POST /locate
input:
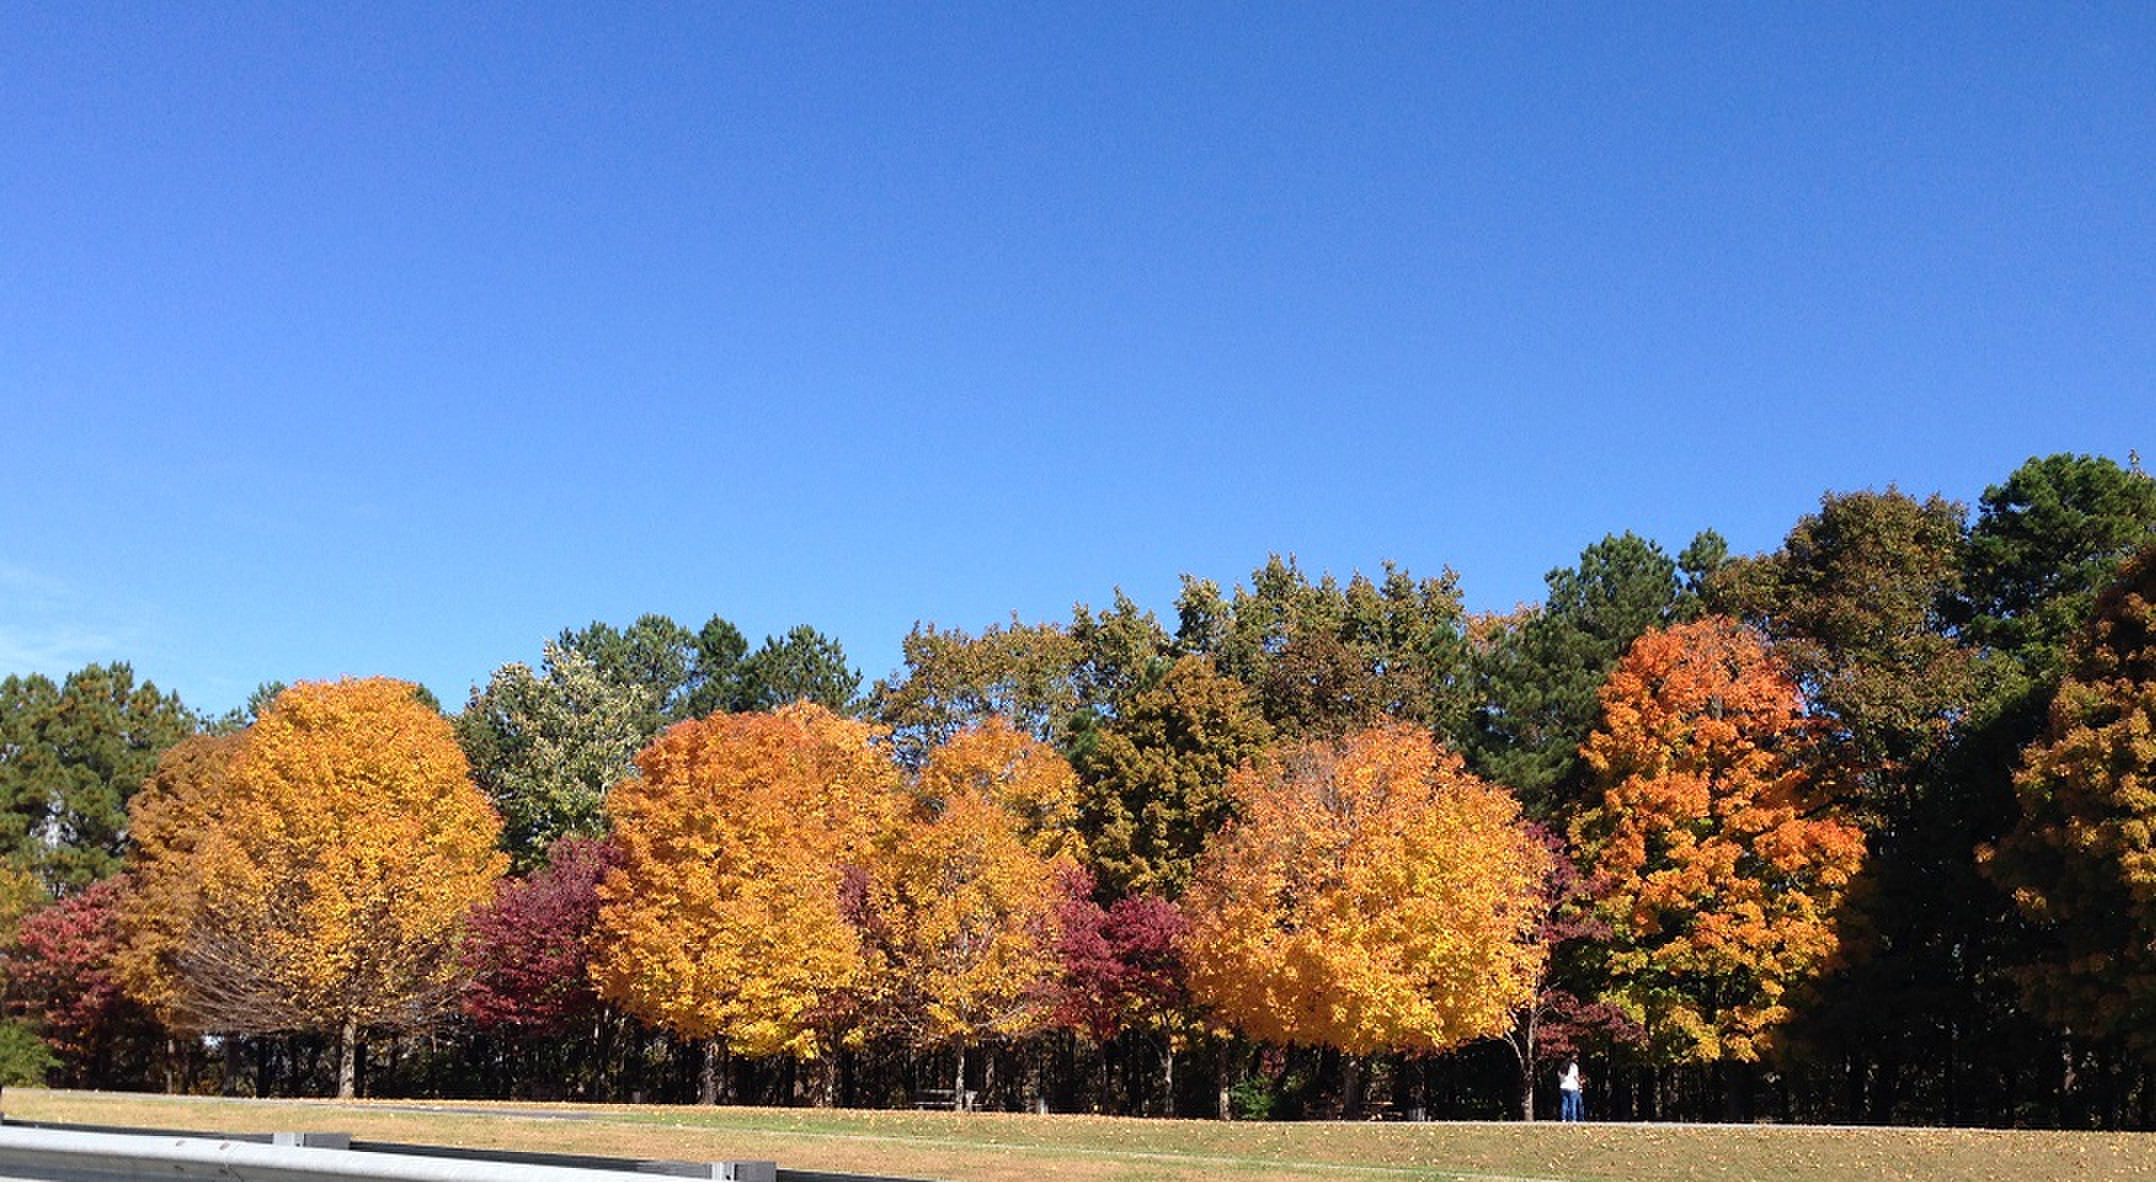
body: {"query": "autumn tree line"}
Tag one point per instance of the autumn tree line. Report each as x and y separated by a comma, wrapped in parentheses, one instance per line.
(1860, 829)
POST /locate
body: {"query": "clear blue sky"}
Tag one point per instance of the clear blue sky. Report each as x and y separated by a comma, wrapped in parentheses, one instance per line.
(374, 338)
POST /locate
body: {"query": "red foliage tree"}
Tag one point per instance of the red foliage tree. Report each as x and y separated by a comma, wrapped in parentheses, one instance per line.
(61, 978)
(529, 950)
(1122, 964)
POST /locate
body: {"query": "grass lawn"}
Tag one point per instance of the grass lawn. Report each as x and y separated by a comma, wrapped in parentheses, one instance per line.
(995, 1147)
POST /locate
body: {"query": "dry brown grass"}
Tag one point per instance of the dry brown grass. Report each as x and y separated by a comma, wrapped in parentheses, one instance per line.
(990, 1147)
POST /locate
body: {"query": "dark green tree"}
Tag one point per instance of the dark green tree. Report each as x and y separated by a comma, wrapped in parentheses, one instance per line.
(1153, 785)
(711, 670)
(715, 678)
(2045, 541)
(71, 755)
(803, 665)
(654, 654)
(1539, 672)
(1855, 602)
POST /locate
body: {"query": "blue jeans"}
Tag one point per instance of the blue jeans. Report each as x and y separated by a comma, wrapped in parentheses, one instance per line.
(1570, 1106)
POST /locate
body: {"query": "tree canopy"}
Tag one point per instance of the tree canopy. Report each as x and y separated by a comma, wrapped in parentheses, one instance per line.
(321, 881)
(1711, 849)
(1371, 895)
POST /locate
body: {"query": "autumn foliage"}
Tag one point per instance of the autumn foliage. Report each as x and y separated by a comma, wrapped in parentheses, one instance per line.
(320, 880)
(529, 951)
(743, 846)
(1873, 809)
(967, 886)
(1373, 895)
(60, 974)
(2081, 860)
(1122, 964)
(1712, 851)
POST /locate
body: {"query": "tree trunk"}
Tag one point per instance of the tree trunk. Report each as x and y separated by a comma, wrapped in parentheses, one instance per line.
(1167, 1081)
(823, 1080)
(707, 1079)
(1351, 1086)
(348, 1062)
(958, 1083)
(2069, 1081)
(1225, 1110)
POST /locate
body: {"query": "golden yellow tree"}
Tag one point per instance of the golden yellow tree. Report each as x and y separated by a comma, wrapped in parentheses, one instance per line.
(1712, 852)
(743, 853)
(320, 880)
(1373, 895)
(1025, 778)
(969, 887)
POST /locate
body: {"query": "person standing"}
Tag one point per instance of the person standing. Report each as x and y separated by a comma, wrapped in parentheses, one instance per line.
(1571, 1099)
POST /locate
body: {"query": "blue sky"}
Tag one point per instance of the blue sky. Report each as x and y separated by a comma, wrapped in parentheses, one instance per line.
(396, 338)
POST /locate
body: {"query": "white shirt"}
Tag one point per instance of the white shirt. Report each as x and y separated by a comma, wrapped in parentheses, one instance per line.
(1570, 1080)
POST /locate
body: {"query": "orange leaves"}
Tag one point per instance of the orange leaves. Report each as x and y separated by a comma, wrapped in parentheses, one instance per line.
(313, 873)
(1374, 895)
(728, 914)
(780, 885)
(1712, 854)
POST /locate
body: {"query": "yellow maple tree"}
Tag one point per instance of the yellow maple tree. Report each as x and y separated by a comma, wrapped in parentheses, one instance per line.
(1713, 851)
(1373, 895)
(967, 891)
(743, 843)
(316, 873)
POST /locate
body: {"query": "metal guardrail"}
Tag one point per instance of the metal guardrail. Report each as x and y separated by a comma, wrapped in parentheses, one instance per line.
(38, 1151)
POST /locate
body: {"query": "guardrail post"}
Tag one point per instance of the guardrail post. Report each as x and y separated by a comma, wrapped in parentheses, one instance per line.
(313, 1140)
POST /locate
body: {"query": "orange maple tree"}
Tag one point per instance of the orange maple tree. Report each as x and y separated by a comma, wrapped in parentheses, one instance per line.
(178, 810)
(743, 845)
(314, 874)
(1373, 895)
(1713, 851)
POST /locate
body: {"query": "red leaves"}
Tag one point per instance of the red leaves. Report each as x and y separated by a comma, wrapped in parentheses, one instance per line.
(1122, 965)
(529, 950)
(60, 967)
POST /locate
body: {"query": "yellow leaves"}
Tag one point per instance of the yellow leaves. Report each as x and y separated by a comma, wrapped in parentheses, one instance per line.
(314, 871)
(1019, 775)
(967, 890)
(779, 882)
(726, 916)
(1374, 895)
